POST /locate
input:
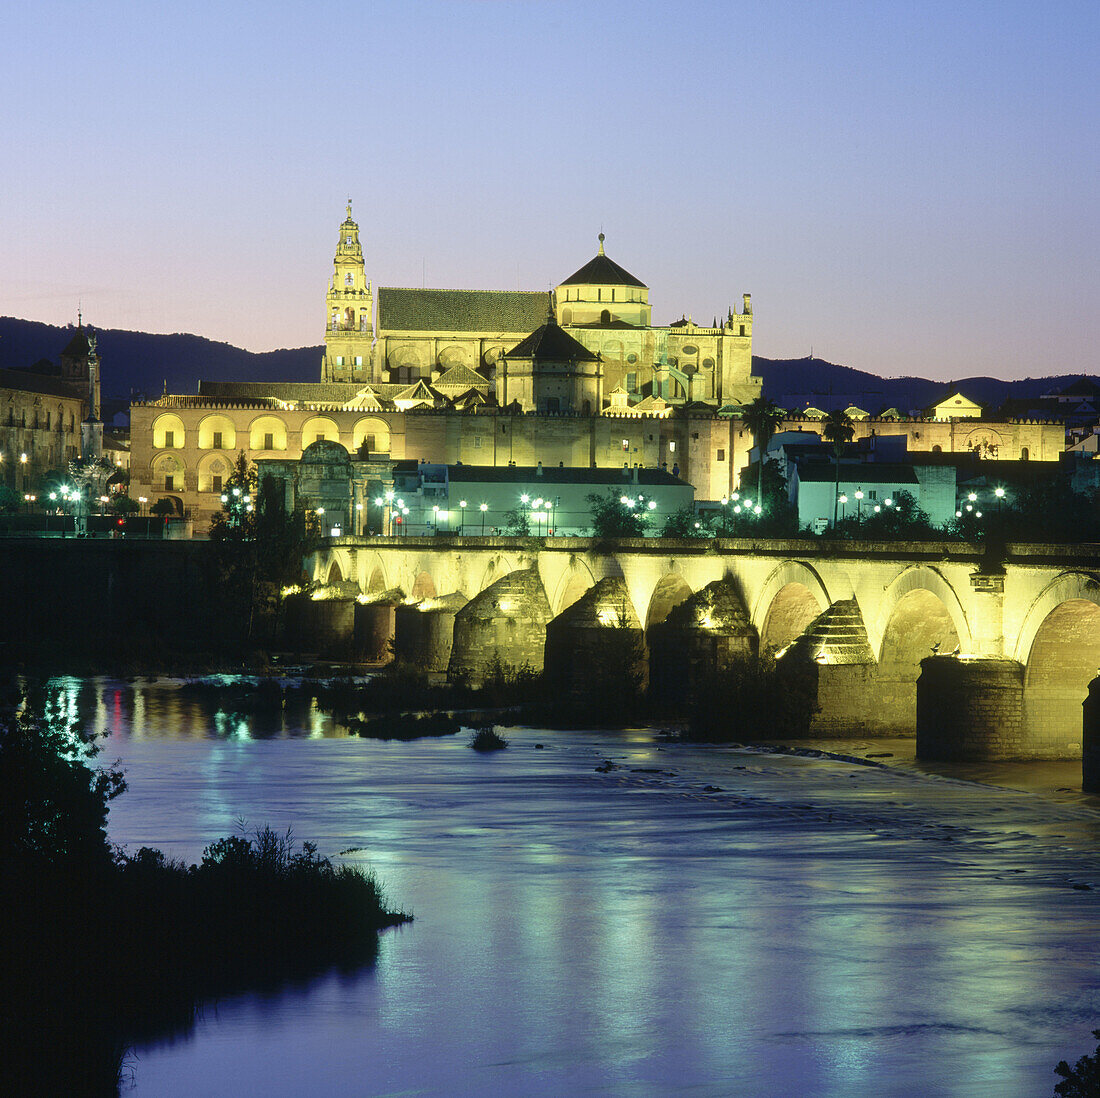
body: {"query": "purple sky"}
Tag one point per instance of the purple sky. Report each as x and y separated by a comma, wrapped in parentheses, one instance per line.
(908, 188)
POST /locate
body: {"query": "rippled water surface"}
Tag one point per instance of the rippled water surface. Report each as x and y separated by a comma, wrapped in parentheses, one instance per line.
(809, 927)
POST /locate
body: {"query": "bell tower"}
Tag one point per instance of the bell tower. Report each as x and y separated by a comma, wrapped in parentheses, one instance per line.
(349, 329)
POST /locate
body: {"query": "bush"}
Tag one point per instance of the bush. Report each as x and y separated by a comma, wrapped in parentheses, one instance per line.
(1083, 1079)
(756, 697)
(488, 739)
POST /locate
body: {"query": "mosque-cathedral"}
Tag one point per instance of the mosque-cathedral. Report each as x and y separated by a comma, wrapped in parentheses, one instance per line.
(579, 377)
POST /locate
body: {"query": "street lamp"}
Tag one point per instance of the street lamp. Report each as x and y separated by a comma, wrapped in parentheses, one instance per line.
(859, 505)
(359, 518)
(483, 507)
(843, 500)
(461, 517)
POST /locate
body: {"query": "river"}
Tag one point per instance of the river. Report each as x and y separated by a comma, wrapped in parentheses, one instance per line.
(808, 926)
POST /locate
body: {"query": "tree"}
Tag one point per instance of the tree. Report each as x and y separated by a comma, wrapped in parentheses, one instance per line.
(686, 523)
(617, 516)
(517, 522)
(838, 429)
(53, 804)
(762, 417)
(904, 518)
(124, 505)
(257, 546)
(1083, 1079)
(163, 508)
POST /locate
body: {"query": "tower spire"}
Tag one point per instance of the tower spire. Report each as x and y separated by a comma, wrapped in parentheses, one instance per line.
(601, 244)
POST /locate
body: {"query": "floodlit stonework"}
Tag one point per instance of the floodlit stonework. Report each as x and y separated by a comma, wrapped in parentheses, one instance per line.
(579, 377)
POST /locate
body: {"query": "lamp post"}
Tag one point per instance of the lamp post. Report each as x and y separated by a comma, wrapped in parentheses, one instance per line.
(359, 518)
(843, 500)
(483, 507)
(461, 517)
(859, 506)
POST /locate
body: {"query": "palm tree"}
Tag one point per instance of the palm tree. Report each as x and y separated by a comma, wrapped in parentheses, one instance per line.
(762, 417)
(838, 430)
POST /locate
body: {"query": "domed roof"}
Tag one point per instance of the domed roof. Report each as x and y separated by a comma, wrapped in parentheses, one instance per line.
(551, 343)
(601, 271)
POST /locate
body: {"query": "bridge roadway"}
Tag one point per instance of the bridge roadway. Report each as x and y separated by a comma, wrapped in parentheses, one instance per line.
(1015, 632)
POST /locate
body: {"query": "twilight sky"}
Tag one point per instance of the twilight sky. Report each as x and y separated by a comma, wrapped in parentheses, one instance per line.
(908, 188)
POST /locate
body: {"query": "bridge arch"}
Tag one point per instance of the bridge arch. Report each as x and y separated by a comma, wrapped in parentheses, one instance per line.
(497, 568)
(670, 590)
(919, 614)
(571, 585)
(790, 598)
(922, 587)
(1059, 646)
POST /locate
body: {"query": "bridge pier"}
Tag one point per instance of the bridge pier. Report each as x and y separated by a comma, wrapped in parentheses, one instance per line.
(833, 660)
(971, 709)
(325, 626)
(504, 626)
(596, 645)
(375, 623)
(1090, 739)
(424, 631)
(699, 639)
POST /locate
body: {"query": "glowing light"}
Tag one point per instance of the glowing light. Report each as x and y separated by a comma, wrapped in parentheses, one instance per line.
(525, 498)
(859, 493)
(483, 507)
(757, 509)
(972, 496)
(294, 589)
(999, 492)
(653, 505)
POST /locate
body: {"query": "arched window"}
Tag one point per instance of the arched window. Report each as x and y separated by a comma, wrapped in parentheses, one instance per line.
(605, 317)
(1024, 454)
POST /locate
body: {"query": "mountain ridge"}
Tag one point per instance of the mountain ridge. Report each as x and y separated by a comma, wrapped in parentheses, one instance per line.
(144, 364)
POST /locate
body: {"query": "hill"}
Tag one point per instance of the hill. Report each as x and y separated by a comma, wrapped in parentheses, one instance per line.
(136, 363)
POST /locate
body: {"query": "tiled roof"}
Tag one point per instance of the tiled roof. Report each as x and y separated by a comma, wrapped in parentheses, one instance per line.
(551, 474)
(870, 472)
(26, 382)
(550, 343)
(77, 347)
(460, 378)
(601, 271)
(311, 392)
(405, 310)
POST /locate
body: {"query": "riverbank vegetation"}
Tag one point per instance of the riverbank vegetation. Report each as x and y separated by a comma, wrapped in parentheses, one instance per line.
(104, 948)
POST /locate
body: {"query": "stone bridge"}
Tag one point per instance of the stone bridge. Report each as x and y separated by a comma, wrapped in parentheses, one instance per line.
(1009, 638)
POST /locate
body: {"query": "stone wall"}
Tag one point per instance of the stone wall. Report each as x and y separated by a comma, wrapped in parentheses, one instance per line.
(971, 709)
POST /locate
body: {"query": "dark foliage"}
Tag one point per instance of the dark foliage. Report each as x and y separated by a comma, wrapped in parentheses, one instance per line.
(754, 698)
(611, 518)
(1083, 1079)
(488, 739)
(102, 949)
(256, 548)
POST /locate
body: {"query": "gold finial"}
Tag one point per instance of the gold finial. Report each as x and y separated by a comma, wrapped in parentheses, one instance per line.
(601, 243)
(349, 207)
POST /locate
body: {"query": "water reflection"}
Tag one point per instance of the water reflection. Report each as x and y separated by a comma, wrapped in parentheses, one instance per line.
(814, 928)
